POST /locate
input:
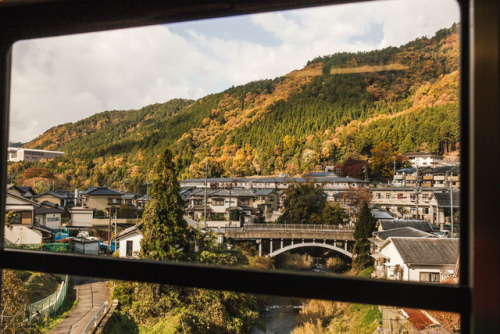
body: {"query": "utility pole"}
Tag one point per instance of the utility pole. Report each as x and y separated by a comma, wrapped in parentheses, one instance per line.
(206, 174)
(116, 223)
(417, 191)
(109, 230)
(451, 204)
(230, 202)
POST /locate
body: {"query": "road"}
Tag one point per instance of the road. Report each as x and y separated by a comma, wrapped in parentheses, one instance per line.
(91, 294)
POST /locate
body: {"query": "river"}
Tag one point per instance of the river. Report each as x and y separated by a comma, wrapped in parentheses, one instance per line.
(279, 315)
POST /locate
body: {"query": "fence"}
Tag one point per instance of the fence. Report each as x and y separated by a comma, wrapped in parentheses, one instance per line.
(55, 247)
(93, 321)
(49, 305)
(345, 227)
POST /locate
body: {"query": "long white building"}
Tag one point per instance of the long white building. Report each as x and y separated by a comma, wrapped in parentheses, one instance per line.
(28, 154)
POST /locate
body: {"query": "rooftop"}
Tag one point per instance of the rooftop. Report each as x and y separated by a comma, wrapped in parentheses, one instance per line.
(422, 225)
(402, 232)
(101, 191)
(432, 251)
(444, 199)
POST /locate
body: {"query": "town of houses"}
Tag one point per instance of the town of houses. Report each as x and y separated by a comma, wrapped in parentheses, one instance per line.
(422, 200)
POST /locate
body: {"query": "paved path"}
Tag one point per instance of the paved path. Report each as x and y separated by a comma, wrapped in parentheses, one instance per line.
(91, 294)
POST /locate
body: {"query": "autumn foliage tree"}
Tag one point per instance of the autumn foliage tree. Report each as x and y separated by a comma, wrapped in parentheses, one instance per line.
(353, 167)
(14, 299)
(382, 161)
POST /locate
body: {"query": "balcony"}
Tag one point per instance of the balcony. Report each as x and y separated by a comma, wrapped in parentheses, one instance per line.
(428, 177)
(411, 178)
(114, 201)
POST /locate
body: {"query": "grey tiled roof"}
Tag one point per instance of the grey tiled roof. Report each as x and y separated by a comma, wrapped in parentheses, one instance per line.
(422, 225)
(443, 199)
(427, 250)
(129, 230)
(130, 196)
(218, 179)
(263, 192)
(102, 191)
(223, 192)
(402, 232)
(44, 210)
(381, 214)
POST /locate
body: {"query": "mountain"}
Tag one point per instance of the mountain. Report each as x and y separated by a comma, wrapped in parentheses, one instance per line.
(336, 106)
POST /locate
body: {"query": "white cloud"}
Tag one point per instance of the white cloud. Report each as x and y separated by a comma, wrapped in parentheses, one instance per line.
(64, 79)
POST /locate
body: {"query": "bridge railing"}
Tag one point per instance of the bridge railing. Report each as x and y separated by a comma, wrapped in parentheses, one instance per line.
(282, 227)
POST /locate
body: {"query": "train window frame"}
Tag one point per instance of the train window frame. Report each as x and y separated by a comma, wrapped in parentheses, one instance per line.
(476, 297)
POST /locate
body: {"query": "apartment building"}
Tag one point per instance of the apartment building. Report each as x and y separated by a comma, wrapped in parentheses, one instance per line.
(437, 177)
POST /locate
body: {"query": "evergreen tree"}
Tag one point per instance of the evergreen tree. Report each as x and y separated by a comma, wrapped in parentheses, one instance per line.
(304, 204)
(334, 214)
(363, 229)
(165, 231)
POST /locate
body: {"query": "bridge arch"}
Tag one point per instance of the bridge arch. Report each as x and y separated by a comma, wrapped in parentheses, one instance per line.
(310, 244)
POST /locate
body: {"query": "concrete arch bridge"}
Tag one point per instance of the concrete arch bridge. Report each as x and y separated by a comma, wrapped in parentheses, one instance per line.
(275, 239)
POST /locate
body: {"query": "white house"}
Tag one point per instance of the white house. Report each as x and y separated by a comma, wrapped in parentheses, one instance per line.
(423, 159)
(129, 241)
(48, 216)
(419, 259)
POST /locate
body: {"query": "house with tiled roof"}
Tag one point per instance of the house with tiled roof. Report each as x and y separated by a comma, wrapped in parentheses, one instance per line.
(22, 229)
(23, 191)
(379, 238)
(60, 198)
(101, 198)
(429, 260)
(49, 216)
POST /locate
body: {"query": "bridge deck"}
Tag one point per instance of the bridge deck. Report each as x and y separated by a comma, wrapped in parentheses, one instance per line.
(288, 232)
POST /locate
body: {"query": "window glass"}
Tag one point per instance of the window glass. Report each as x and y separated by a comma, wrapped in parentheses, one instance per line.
(36, 302)
(323, 114)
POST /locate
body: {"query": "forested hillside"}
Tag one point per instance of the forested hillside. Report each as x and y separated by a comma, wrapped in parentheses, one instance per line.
(337, 106)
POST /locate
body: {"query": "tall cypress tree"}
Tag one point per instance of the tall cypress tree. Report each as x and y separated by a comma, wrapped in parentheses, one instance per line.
(363, 229)
(165, 233)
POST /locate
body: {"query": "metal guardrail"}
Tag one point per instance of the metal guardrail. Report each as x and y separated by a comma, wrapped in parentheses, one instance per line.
(285, 227)
(93, 321)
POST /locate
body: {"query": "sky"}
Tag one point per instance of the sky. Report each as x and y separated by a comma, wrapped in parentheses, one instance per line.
(65, 79)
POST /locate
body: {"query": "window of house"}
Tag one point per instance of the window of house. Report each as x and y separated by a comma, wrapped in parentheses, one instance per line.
(429, 277)
(387, 195)
(218, 202)
(198, 202)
